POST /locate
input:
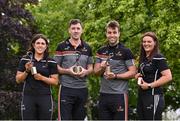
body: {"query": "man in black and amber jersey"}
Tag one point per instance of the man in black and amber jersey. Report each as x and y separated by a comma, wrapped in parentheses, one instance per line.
(115, 64)
(70, 54)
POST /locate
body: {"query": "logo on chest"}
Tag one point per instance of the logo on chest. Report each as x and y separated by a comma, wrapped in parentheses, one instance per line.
(119, 54)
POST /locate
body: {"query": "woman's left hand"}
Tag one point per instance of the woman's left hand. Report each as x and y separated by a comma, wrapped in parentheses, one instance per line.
(144, 85)
(38, 76)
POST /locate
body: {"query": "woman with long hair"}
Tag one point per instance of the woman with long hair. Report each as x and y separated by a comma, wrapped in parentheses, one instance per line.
(153, 74)
(38, 72)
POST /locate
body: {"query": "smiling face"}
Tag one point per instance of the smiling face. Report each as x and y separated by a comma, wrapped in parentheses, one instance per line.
(40, 46)
(75, 31)
(112, 35)
(148, 44)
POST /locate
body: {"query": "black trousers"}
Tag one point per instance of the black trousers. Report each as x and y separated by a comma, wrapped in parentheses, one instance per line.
(145, 107)
(72, 103)
(36, 107)
(113, 106)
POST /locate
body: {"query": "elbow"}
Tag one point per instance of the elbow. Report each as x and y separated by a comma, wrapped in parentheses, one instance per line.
(96, 73)
(18, 80)
(56, 82)
(133, 74)
(170, 78)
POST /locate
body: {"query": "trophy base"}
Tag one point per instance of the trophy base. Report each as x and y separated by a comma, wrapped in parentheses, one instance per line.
(139, 80)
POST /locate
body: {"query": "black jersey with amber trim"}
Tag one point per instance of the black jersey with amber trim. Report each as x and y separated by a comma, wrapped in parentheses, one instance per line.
(151, 71)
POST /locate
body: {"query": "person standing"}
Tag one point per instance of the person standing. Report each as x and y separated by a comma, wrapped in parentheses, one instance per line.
(38, 72)
(115, 64)
(153, 74)
(75, 63)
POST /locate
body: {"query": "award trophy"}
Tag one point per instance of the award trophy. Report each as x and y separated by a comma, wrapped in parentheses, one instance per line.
(139, 80)
(33, 69)
(76, 68)
(108, 67)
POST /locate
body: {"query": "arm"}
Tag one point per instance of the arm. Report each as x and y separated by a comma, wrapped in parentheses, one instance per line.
(69, 71)
(21, 76)
(52, 80)
(165, 78)
(64, 70)
(129, 74)
(86, 72)
(99, 68)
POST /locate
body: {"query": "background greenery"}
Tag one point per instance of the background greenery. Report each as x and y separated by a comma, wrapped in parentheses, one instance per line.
(51, 18)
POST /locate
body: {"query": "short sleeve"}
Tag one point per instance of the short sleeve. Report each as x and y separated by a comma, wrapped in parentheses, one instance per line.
(58, 57)
(90, 60)
(98, 58)
(53, 67)
(21, 66)
(128, 54)
(160, 62)
(129, 62)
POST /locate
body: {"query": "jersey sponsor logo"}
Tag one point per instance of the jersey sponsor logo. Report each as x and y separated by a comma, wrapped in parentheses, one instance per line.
(84, 49)
(120, 109)
(119, 53)
(23, 107)
(67, 48)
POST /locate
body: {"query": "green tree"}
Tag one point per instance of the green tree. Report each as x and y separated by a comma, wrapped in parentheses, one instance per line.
(16, 29)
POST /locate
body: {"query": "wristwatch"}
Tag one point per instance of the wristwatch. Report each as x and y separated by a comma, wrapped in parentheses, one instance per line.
(149, 86)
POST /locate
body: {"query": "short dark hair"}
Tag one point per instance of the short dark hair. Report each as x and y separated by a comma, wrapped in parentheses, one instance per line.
(113, 24)
(75, 21)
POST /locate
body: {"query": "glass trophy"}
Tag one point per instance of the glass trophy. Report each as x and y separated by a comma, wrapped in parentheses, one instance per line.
(33, 69)
(76, 68)
(139, 80)
(108, 67)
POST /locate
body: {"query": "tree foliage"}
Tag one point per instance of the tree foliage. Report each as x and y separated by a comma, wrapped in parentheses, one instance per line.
(16, 29)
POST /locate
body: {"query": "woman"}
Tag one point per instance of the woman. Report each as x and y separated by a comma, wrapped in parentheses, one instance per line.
(37, 101)
(153, 74)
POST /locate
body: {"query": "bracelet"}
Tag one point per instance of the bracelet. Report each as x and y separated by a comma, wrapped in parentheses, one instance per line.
(149, 86)
(116, 76)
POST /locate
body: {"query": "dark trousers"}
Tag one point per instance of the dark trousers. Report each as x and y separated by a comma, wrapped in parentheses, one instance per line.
(36, 107)
(72, 103)
(145, 107)
(113, 107)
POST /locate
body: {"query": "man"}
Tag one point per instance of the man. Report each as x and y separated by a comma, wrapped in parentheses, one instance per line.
(115, 64)
(74, 57)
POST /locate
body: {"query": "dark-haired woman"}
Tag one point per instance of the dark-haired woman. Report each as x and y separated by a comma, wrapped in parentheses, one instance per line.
(38, 72)
(154, 73)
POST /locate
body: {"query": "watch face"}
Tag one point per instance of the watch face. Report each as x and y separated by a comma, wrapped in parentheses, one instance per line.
(149, 86)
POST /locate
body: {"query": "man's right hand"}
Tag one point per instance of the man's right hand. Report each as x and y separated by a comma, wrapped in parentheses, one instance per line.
(103, 64)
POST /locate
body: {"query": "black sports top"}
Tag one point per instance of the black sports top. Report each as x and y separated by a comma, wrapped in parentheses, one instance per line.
(45, 68)
(151, 71)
